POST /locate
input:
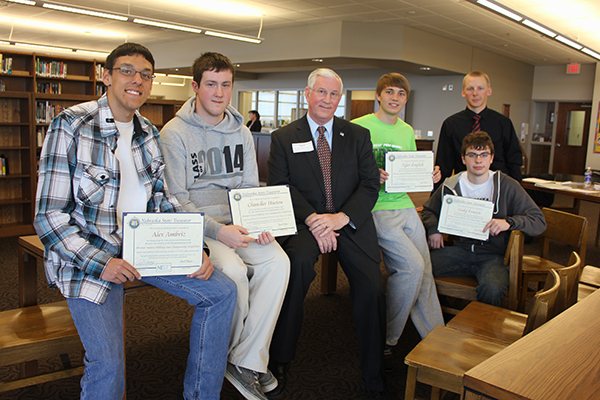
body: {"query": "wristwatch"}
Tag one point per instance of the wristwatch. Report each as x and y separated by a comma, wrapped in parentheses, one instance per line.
(511, 222)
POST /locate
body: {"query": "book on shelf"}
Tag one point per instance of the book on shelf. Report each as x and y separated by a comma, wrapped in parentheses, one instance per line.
(53, 88)
(99, 71)
(52, 69)
(46, 111)
(3, 165)
(5, 64)
(41, 135)
(2, 86)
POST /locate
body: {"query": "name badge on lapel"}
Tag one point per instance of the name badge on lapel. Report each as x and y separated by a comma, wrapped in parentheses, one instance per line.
(303, 147)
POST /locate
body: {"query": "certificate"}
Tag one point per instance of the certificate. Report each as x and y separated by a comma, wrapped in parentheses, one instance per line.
(163, 243)
(465, 217)
(263, 209)
(410, 171)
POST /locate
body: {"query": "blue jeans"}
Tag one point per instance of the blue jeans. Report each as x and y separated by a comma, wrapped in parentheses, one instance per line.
(489, 269)
(100, 328)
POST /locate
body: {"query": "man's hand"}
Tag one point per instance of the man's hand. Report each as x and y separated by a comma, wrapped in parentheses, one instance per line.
(327, 243)
(322, 225)
(436, 241)
(437, 174)
(234, 236)
(496, 226)
(383, 176)
(265, 238)
(119, 271)
(205, 271)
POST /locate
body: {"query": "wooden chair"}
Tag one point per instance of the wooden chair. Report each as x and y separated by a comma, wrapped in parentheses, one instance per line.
(43, 331)
(509, 326)
(562, 227)
(463, 287)
(35, 332)
(445, 354)
(589, 281)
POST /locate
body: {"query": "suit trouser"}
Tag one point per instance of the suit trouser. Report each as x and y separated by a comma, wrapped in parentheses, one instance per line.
(367, 298)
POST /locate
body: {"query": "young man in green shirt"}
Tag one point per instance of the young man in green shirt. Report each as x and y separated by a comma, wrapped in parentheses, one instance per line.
(410, 286)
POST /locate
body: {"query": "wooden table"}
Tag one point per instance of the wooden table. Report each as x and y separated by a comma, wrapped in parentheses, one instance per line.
(559, 360)
(575, 195)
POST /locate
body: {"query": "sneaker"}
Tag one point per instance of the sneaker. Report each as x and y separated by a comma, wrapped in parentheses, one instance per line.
(388, 358)
(245, 381)
(267, 381)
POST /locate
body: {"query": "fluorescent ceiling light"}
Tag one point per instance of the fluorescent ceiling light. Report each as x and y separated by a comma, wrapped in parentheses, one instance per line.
(539, 28)
(98, 53)
(569, 42)
(227, 7)
(41, 46)
(159, 74)
(591, 53)
(498, 9)
(26, 2)
(3, 42)
(85, 12)
(234, 37)
(180, 76)
(167, 26)
(45, 25)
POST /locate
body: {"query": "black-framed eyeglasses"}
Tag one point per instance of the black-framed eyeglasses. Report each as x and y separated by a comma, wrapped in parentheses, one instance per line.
(130, 72)
(473, 156)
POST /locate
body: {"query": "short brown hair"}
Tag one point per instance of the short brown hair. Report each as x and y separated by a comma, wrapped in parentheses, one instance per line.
(477, 74)
(210, 61)
(128, 49)
(393, 79)
(478, 141)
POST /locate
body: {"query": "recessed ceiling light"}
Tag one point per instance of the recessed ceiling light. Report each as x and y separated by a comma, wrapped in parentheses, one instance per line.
(425, 68)
(317, 60)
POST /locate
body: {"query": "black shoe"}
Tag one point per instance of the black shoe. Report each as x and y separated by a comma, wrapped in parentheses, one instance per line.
(388, 358)
(373, 395)
(279, 370)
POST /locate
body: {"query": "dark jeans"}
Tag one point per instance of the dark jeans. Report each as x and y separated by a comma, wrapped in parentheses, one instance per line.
(489, 269)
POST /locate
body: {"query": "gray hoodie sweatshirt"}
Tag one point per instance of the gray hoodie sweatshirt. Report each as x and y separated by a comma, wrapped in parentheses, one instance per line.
(203, 161)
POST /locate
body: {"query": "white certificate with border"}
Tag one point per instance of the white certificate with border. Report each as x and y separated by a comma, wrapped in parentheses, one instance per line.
(465, 217)
(410, 171)
(163, 243)
(263, 209)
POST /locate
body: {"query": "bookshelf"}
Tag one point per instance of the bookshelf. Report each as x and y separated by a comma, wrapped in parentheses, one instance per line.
(33, 89)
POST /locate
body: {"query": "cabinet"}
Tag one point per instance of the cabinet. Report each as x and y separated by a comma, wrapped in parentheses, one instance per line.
(33, 89)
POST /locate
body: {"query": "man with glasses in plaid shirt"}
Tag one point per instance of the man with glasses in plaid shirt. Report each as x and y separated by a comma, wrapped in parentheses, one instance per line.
(91, 152)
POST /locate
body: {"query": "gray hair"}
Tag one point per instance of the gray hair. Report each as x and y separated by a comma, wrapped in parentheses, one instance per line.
(325, 73)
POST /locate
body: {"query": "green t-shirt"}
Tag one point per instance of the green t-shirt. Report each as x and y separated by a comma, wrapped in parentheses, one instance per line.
(398, 137)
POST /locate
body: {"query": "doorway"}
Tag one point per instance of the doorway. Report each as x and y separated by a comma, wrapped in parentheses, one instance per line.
(572, 131)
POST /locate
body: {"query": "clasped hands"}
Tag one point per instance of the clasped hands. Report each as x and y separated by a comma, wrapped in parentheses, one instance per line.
(323, 227)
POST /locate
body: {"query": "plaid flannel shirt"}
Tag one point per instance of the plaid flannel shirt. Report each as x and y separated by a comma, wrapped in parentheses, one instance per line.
(78, 189)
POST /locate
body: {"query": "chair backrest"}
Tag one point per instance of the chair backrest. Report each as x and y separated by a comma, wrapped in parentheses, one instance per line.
(514, 259)
(544, 303)
(566, 228)
(569, 280)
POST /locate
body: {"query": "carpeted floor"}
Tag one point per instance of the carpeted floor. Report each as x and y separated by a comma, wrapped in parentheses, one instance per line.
(157, 329)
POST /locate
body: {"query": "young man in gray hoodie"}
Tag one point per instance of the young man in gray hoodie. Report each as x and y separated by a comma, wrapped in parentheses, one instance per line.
(208, 150)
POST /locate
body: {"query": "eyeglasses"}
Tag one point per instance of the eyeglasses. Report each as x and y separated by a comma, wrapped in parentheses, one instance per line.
(130, 72)
(322, 93)
(473, 156)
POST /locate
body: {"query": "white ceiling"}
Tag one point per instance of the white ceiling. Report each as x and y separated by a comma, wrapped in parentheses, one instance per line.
(459, 20)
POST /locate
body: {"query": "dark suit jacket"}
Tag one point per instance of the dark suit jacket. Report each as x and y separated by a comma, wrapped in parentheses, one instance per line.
(354, 177)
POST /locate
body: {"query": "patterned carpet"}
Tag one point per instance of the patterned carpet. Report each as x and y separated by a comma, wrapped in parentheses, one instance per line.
(157, 329)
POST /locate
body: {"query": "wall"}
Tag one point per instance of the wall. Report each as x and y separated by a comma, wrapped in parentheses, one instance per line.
(551, 83)
(593, 159)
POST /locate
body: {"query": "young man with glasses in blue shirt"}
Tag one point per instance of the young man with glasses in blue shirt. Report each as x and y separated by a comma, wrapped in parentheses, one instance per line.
(513, 209)
(99, 160)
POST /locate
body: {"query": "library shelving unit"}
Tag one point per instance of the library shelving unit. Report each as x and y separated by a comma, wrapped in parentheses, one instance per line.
(36, 88)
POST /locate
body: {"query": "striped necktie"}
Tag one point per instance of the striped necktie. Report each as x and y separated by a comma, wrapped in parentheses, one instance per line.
(476, 125)
(325, 160)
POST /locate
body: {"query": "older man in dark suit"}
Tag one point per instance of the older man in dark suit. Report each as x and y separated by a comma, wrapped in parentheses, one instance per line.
(334, 182)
